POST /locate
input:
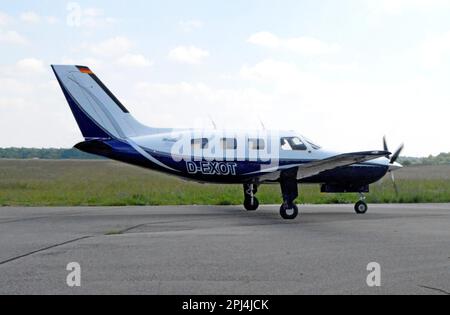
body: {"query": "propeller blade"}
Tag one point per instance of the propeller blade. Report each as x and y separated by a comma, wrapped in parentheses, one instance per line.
(394, 183)
(385, 146)
(397, 154)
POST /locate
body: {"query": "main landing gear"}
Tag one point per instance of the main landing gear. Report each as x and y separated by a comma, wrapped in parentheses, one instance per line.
(361, 206)
(289, 190)
(251, 203)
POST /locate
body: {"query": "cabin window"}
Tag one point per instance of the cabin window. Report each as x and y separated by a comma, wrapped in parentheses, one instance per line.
(256, 144)
(229, 143)
(292, 144)
(199, 144)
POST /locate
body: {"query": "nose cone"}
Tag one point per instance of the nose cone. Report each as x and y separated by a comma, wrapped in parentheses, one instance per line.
(395, 166)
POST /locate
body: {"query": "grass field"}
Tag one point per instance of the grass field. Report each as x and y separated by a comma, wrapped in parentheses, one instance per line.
(107, 183)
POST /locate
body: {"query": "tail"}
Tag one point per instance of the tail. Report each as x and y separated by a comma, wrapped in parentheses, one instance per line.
(99, 114)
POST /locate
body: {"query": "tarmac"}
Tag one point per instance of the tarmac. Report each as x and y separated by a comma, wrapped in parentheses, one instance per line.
(200, 250)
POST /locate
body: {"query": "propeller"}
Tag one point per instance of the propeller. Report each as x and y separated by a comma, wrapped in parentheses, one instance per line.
(397, 153)
(392, 160)
(394, 157)
(394, 183)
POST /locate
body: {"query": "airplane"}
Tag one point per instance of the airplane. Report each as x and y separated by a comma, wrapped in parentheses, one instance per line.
(247, 158)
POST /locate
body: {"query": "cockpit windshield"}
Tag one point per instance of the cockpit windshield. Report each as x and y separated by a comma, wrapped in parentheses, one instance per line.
(312, 144)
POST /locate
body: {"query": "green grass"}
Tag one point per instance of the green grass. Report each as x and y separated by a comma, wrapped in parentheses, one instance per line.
(107, 183)
(114, 232)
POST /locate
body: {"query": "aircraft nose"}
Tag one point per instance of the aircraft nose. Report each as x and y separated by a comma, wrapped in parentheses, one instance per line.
(395, 166)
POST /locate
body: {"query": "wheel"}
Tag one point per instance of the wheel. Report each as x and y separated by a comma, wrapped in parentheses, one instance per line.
(251, 206)
(289, 213)
(361, 207)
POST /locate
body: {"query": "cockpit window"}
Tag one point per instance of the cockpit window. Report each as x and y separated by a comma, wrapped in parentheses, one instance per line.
(292, 144)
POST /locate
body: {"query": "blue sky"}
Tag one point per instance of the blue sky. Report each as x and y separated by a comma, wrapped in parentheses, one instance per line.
(344, 73)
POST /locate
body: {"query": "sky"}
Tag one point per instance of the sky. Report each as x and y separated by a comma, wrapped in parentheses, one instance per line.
(343, 73)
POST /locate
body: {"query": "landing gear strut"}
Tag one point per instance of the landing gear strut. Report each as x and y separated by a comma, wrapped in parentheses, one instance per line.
(289, 190)
(361, 206)
(251, 203)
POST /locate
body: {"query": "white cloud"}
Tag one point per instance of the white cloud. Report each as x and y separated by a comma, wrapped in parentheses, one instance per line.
(113, 47)
(96, 18)
(51, 20)
(190, 25)
(435, 51)
(265, 39)
(117, 50)
(12, 37)
(270, 70)
(93, 12)
(92, 63)
(5, 19)
(301, 45)
(31, 65)
(134, 60)
(188, 54)
(30, 17)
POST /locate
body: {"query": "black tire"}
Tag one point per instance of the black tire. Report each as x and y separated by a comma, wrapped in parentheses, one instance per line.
(361, 207)
(251, 206)
(289, 213)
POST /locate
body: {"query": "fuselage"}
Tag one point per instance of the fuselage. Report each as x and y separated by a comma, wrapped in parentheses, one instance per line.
(234, 157)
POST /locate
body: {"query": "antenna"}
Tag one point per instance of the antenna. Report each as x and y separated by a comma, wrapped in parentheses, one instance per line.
(213, 122)
(262, 124)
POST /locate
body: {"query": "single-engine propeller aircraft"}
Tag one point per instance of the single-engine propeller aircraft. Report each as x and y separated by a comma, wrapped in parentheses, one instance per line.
(249, 158)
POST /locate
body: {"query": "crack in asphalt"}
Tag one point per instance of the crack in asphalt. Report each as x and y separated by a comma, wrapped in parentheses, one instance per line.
(43, 249)
(435, 289)
(23, 219)
(130, 229)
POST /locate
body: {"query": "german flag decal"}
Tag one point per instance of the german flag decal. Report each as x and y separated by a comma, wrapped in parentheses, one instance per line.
(85, 70)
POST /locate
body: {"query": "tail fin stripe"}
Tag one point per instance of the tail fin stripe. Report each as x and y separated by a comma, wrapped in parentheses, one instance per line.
(103, 87)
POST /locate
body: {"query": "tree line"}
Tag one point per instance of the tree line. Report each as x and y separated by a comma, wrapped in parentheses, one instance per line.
(45, 154)
(441, 159)
(75, 154)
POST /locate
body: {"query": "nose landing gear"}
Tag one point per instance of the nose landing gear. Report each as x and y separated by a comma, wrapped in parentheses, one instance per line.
(361, 206)
(251, 203)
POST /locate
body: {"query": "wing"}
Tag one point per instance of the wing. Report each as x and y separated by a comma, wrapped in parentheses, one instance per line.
(346, 159)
